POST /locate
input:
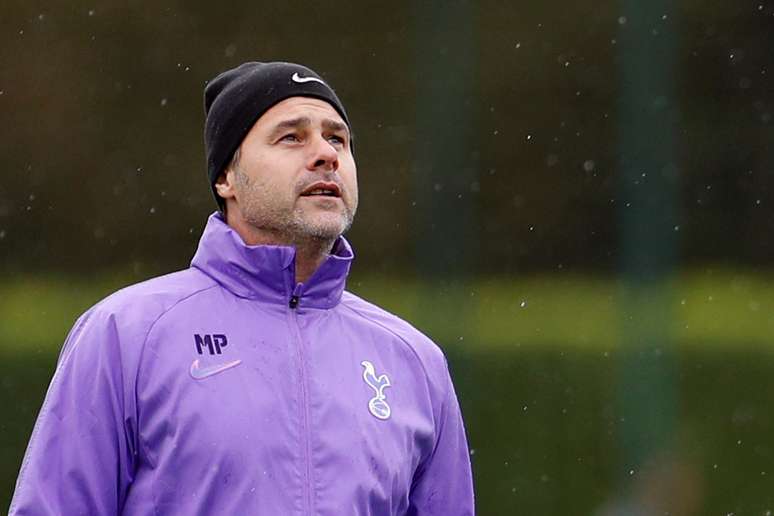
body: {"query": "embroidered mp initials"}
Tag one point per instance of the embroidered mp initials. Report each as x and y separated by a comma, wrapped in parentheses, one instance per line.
(213, 343)
(378, 404)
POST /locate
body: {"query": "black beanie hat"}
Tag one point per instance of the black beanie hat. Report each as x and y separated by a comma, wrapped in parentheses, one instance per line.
(236, 98)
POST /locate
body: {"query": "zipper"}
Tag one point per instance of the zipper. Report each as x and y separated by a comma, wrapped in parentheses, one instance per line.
(295, 295)
(296, 331)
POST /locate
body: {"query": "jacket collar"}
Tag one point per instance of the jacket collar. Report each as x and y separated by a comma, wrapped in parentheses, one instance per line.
(267, 272)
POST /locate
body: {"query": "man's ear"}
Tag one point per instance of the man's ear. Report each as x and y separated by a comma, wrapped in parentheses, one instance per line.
(224, 185)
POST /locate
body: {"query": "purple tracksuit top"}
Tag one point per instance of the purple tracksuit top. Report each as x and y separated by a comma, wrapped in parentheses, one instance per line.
(225, 389)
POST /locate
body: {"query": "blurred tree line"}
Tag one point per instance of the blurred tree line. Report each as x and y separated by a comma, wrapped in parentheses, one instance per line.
(103, 158)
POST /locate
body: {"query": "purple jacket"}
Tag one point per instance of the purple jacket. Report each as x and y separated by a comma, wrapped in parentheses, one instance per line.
(225, 389)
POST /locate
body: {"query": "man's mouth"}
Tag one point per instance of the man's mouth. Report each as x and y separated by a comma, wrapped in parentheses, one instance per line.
(322, 189)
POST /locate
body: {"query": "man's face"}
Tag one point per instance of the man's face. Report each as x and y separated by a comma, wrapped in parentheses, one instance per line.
(296, 177)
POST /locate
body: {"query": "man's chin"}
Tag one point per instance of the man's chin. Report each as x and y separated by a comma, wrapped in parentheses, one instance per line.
(323, 229)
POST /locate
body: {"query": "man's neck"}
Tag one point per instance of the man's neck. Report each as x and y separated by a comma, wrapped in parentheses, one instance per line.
(310, 252)
(309, 256)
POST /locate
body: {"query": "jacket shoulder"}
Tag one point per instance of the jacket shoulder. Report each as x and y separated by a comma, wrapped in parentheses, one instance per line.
(158, 294)
(131, 312)
(427, 351)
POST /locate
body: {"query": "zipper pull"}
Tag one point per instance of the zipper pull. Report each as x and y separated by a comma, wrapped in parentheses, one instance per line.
(295, 296)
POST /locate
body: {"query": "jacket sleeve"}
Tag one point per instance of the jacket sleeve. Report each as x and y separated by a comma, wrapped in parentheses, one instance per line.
(79, 460)
(443, 484)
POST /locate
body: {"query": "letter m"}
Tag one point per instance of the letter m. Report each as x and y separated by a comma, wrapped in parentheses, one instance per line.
(201, 342)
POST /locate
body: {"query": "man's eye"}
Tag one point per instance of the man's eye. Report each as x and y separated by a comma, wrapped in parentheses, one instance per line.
(290, 138)
(335, 139)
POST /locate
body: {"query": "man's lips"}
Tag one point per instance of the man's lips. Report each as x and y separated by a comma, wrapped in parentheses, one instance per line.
(322, 189)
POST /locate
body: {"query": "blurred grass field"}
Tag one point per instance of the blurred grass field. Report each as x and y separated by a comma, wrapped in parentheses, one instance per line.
(536, 362)
(580, 312)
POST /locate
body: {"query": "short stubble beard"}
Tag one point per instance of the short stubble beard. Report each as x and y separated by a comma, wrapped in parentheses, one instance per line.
(287, 226)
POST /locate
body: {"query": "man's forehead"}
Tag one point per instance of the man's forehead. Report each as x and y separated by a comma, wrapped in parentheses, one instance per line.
(300, 107)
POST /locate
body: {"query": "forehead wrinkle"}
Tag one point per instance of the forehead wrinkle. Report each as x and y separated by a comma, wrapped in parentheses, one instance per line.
(293, 123)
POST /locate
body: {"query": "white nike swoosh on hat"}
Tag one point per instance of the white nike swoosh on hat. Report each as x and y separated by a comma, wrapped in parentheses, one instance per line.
(299, 79)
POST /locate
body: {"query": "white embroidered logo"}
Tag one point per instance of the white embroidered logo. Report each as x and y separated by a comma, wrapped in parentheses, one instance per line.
(377, 405)
(297, 78)
(199, 373)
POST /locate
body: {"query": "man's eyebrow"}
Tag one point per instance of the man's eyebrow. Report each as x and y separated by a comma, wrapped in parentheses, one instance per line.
(334, 125)
(293, 123)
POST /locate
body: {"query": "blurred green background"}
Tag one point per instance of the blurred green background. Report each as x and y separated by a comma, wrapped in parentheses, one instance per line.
(573, 199)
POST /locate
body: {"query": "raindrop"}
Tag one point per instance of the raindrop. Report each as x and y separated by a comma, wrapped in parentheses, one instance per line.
(91, 12)
(529, 137)
(518, 45)
(589, 165)
(622, 20)
(163, 102)
(677, 228)
(523, 304)
(664, 16)
(2, 234)
(152, 210)
(631, 472)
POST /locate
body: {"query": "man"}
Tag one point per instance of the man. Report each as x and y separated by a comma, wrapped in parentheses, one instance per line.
(252, 383)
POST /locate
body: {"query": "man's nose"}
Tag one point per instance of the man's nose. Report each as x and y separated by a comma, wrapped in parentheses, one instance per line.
(324, 155)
